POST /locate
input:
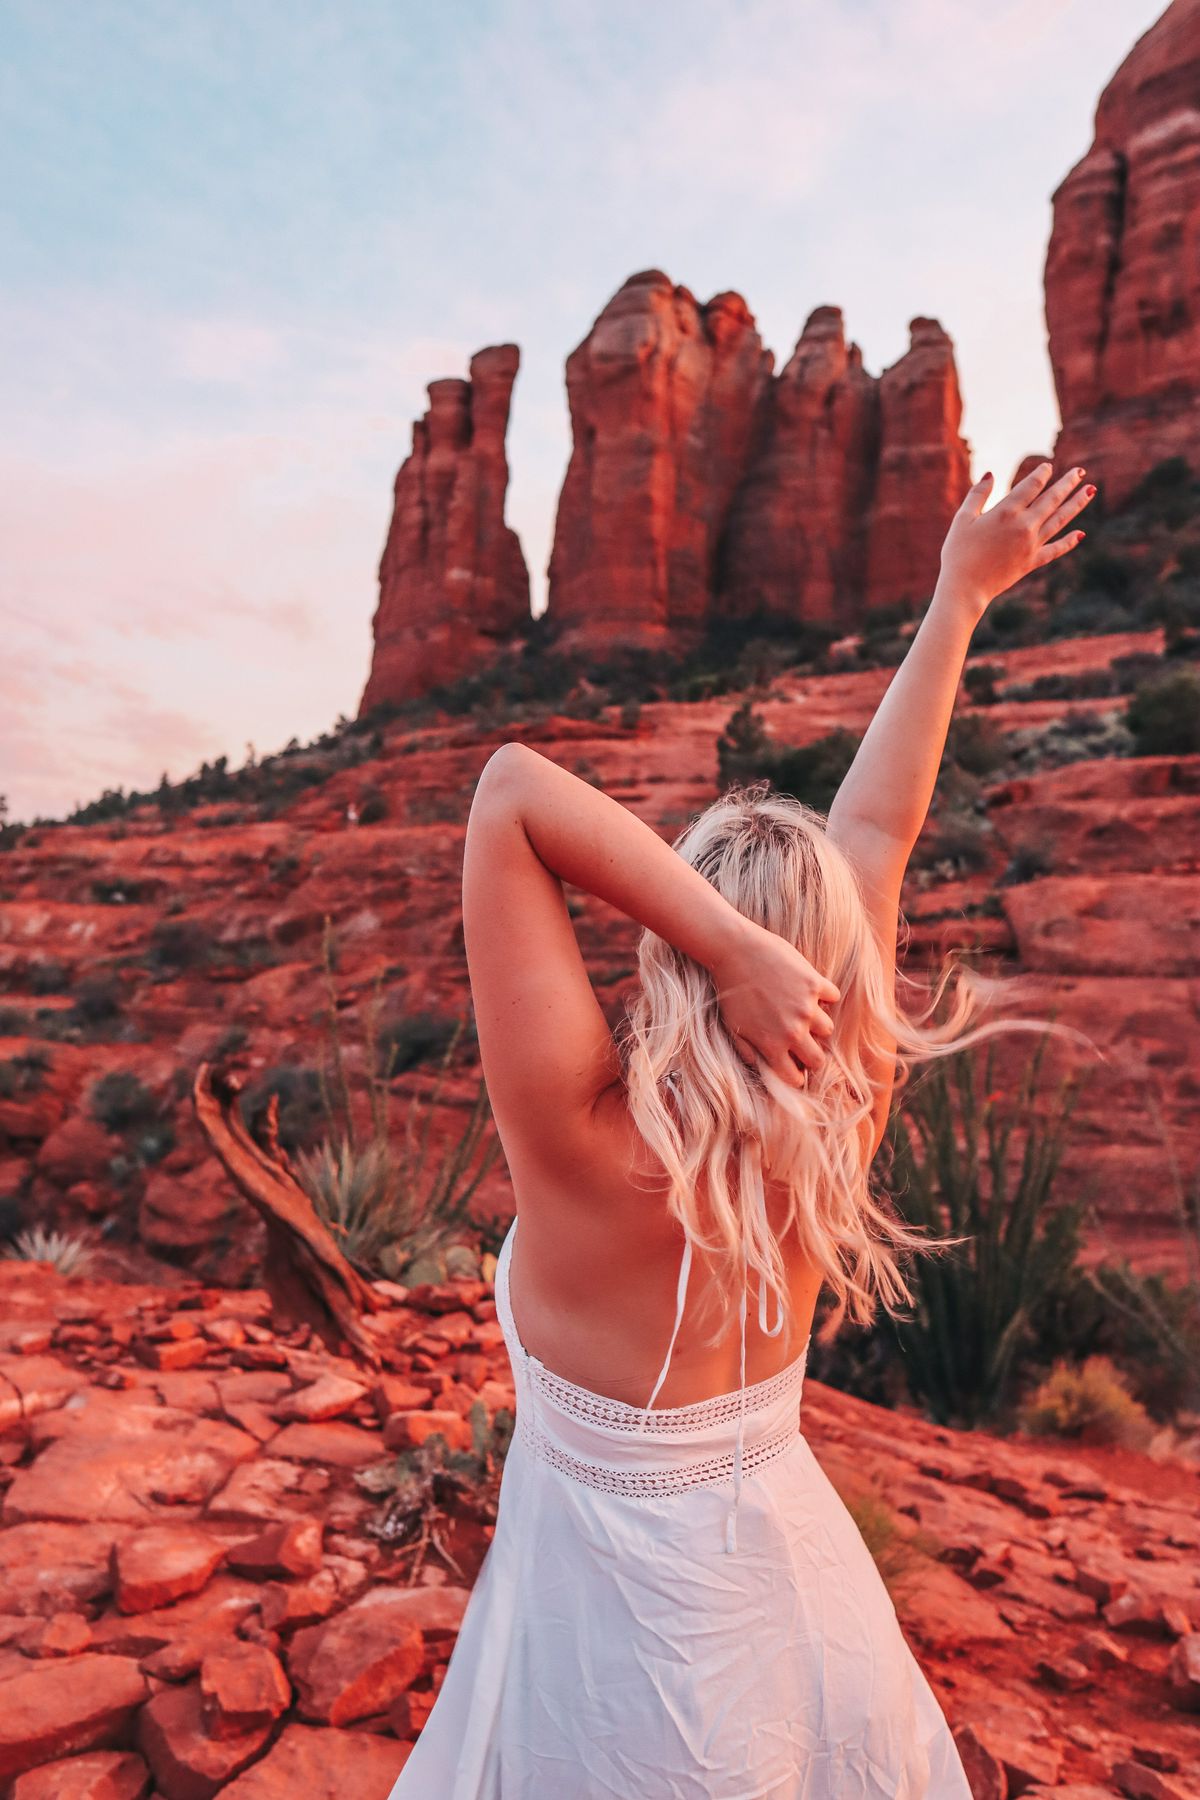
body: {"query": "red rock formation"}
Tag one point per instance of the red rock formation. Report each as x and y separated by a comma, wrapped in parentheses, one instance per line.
(663, 394)
(452, 579)
(924, 468)
(795, 544)
(853, 482)
(1122, 271)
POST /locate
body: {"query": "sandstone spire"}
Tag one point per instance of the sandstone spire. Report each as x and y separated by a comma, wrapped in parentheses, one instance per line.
(452, 579)
(663, 395)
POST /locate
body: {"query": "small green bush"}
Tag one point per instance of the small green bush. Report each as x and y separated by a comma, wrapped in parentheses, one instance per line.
(1164, 716)
(24, 1073)
(1028, 861)
(973, 743)
(372, 805)
(122, 1102)
(809, 772)
(900, 1554)
(980, 682)
(1090, 1402)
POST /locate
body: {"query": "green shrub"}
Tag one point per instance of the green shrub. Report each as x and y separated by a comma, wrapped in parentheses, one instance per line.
(971, 1162)
(973, 743)
(956, 843)
(177, 945)
(24, 1073)
(1028, 861)
(121, 1101)
(980, 682)
(900, 1554)
(809, 772)
(372, 805)
(297, 1090)
(1090, 1402)
(48, 977)
(1164, 716)
(96, 1003)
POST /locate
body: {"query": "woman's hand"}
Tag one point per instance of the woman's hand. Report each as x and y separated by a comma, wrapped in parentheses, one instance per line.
(986, 552)
(772, 1001)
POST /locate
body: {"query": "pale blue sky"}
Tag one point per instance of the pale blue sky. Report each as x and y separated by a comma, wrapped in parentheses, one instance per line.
(238, 240)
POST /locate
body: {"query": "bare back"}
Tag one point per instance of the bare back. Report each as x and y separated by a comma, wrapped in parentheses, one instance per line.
(595, 1271)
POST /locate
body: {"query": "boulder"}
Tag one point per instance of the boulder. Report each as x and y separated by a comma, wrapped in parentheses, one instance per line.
(81, 1703)
(358, 1662)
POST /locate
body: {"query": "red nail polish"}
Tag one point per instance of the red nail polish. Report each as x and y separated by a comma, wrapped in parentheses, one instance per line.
(1090, 492)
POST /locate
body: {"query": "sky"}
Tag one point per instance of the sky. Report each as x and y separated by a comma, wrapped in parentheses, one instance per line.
(237, 240)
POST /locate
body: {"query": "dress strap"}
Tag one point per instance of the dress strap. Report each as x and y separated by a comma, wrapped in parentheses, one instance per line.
(685, 1265)
(739, 1447)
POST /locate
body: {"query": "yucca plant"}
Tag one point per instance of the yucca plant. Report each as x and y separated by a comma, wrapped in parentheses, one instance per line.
(69, 1255)
(977, 1164)
(394, 1207)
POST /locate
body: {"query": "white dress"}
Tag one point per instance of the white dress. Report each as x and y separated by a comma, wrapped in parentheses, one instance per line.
(675, 1605)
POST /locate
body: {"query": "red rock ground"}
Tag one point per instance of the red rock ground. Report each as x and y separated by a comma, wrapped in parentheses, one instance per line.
(192, 1600)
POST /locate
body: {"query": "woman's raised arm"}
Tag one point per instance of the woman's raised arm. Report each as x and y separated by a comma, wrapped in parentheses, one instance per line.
(890, 783)
(881, 806)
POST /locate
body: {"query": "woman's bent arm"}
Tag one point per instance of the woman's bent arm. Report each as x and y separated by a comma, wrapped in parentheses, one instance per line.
(769, 993)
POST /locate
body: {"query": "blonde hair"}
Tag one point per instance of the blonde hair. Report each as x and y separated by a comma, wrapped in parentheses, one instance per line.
(720, 1126)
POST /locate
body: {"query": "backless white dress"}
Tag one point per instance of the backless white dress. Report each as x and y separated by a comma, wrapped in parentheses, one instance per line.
(675, 1605)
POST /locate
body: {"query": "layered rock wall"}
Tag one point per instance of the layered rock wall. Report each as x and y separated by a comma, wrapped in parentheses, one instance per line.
(1123, 267)
(452, 579)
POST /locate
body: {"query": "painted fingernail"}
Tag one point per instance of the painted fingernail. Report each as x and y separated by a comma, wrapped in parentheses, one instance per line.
(1089, 490)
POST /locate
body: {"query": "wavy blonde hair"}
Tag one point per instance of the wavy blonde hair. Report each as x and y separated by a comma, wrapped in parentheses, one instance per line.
(722, 1128)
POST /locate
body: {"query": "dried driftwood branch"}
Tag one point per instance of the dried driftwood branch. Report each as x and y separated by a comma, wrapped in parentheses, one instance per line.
(306, 1275)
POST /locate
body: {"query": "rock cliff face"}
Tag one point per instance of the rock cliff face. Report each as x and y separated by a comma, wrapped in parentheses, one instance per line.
(924, 468)
(795, 544)
(851, 483)
(1123, 269)
(452, 580)
(663, 395)
(699, 487)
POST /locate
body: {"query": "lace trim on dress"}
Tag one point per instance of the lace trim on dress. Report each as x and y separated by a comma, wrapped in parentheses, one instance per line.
(711, 1471)
(669, 1421)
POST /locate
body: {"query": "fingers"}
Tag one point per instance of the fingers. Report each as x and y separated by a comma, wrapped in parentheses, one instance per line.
(976, 496)
(1065, 514)
(1058, 547)
(1031, 486)
(1057, 501)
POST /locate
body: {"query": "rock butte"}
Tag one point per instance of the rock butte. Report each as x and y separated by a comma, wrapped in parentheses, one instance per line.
(699, 487)
(1122, 275)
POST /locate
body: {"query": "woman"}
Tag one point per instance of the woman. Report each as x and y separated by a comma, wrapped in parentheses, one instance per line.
(675, 1604)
